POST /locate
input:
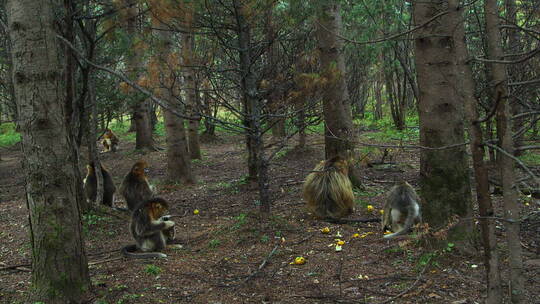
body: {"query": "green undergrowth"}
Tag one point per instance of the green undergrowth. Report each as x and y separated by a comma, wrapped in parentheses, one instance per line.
(245, 228)
(8, 135)
(530, 158)
(384, 129)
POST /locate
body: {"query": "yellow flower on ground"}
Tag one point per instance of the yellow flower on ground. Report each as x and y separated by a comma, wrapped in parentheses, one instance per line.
(298, 261)
(325, 230)
(196, 211)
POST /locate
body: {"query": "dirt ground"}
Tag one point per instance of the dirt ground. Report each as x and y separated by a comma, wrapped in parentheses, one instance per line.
(229, 256)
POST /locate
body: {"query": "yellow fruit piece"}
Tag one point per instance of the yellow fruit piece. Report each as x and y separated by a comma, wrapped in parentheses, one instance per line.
(370, 208)
(381, 211)
(298, 261)
(387, 232)
(356, 235)
(196, 211)
(325, 230)
(340, 243)
(366, 234)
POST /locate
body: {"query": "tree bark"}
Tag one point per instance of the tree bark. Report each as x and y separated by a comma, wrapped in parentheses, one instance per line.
(514, 47)
(505, 163)
(444, 173)
(188, 42)
(253, 115)
(59, 264)
(178, 162)
(485, 206)
(141, 115)
(339, 131)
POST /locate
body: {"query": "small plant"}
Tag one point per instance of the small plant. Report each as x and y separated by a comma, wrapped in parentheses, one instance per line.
(152, 269)
(427, 258)
(449, 247)
(281, 153)
(241, 220)
(8, 135)
(362, 203)
(128, 297)
(265, 239)
(92, 219)
(214, 243)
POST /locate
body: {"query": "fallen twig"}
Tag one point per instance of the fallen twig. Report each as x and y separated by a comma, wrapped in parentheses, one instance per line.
(261, 266)
(20, 267)
(410, 287)
(104, 261)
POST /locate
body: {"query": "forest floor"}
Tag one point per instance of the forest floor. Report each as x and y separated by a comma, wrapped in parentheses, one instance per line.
(230, 256)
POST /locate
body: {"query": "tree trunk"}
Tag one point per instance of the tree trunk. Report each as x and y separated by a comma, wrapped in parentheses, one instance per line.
(505, 163)
(141, 115)
(444, 173)
(59, 264)
(209, 109)
(93, 153)
(339, 131)
(301, 123)
(485, 206)
(514, 47)
(277, 121)
(188, 42)
(254, 111)
(378, 112)
(178, 162)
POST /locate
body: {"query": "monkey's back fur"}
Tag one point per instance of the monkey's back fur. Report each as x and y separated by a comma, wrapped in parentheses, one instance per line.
(328, 190)
(135, 190)
(150, 230)
(90, 186)
(135, 187)
(401, 209)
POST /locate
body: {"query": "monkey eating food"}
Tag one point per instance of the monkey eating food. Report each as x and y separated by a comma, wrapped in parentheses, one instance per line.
(151, 230)
(328, 190)
(110, 141)
(135, 187)
(90, 185)
(401, 210)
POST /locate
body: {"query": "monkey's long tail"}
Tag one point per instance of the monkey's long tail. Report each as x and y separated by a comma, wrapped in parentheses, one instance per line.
(129, 252)
(412, 214)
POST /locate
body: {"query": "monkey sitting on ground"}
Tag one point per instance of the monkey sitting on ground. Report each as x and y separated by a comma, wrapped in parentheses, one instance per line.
(90, 185)
(151, 230)
(401, 210)
(135, 187)
(110, 141)
(328, 190)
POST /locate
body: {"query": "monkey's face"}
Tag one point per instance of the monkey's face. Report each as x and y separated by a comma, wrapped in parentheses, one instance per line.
(156, 210)
(89, 169)
(342, 167)
(140, 168)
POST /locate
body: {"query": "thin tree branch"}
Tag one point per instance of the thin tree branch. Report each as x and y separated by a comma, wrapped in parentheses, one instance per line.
(156, 100)
(391, 37)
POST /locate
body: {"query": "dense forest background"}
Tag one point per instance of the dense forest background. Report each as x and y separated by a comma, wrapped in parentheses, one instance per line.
(232, 103)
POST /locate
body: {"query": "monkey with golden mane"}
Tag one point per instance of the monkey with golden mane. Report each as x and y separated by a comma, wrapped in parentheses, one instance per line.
(151, 229)
(135, 187)
(90, 185)
(401, 210)
(328, 190)
(110, 141)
